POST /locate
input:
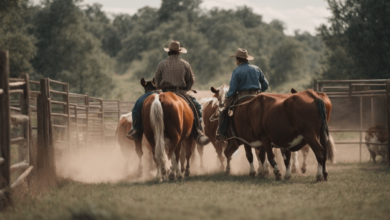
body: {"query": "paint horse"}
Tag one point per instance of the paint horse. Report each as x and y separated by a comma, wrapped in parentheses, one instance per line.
(124, 126)
(167, 120)
(286, 121)
(376, 136)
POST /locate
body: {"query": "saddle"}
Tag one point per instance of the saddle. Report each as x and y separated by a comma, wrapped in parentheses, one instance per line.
(241, 98)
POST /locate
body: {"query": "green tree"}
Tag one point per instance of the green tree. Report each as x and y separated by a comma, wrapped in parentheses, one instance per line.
(66, 51)
(287, 62)
(15, 35)
(357, 39)
(101, 27)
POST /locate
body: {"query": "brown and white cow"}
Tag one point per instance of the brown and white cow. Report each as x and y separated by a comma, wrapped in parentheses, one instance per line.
(124, 126)
(289, 121)
(376, 136)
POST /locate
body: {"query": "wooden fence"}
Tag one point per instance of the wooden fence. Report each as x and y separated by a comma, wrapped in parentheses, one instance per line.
(58, 120)
(371, 100)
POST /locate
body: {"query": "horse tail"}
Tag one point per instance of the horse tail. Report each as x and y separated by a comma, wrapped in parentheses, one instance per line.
(325, 139)
(157, 120)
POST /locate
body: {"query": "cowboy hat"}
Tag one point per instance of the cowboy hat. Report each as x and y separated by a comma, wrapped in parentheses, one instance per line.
(242, 53)
(175, 46)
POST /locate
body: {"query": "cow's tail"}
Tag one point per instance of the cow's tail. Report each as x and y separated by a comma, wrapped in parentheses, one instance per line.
(157, 121)
(325, 139)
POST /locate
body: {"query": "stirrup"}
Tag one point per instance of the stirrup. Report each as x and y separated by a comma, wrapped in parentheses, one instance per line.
(202, 139)
(220, 137)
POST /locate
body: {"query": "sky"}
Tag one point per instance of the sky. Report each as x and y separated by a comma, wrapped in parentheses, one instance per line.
(304, 15)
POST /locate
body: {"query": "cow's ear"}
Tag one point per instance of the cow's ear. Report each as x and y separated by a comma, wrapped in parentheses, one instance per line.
(213, 90)
(293, 90)
(143, 82)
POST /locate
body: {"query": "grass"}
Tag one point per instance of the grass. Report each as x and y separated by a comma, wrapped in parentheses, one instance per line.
(354, 191)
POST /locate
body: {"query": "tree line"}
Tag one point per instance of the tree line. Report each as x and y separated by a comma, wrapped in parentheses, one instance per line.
(79, 43)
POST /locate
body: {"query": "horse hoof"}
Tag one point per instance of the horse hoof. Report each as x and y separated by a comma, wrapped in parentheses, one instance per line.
(326, 176)
(287, 177)
(278, 176)
(303, 170)
(294, 170)
(139, 173)
(252, 174)
(187, 174)
(320, 178)
(171, 176)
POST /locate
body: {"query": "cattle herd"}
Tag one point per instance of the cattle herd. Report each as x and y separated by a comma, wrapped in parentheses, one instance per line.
(290, 122)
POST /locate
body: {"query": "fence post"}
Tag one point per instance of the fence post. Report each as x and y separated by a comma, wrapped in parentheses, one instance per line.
(5, 125)
(45, 152)
(25, 110)
(315, 85)
(388, 118)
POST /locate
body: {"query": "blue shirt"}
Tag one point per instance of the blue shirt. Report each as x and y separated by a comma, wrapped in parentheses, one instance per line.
(247, 77)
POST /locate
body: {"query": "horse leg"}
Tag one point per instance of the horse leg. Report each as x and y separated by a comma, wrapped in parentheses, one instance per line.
(219, 148)
(295, 162)
(305, 152)
(175, 169)
(230, 149)
(200, 151)
(319, 153)
(138, 149)
(287, 157)
(190, 146)
(249, 156)
(271, 158)
(263, 169)
(183, 157)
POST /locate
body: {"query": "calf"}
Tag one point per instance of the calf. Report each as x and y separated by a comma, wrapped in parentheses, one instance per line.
(376, 136)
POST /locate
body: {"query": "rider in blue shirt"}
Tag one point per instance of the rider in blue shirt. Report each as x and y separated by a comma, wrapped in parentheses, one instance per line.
(245, 78)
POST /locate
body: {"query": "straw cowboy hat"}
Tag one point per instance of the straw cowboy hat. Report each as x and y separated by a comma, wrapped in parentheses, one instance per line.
(242, 53)
(175, 46)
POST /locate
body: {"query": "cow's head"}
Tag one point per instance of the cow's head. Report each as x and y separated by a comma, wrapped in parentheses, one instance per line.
(220, 94)
(148, 85)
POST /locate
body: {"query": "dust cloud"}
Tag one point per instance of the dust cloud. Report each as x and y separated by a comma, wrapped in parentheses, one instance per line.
(108, 164)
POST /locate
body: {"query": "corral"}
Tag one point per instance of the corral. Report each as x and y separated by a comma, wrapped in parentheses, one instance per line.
(80, 127)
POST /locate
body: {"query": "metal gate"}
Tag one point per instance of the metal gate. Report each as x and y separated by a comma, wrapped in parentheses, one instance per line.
(357, 106)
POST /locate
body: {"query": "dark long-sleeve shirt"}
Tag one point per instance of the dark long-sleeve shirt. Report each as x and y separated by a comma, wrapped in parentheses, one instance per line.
(247, 77)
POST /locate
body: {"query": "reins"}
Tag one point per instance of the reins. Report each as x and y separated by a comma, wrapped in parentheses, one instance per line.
(243, 103)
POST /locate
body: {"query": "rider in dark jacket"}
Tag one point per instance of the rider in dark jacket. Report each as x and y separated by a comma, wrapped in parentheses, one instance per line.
(246, 77)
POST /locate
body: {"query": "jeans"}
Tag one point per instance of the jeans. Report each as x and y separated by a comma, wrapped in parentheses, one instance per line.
(137, 110)
(223, 123)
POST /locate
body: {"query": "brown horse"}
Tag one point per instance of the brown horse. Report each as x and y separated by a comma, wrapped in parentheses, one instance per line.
(124, 126)
(167, 120)
(287, 121)
(211, 122)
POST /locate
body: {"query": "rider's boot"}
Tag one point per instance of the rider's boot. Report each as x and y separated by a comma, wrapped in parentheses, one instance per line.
(133, 135)
(220, 137)
(201, 139)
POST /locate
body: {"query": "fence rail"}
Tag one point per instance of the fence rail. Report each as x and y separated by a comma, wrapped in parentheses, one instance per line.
(61, 121)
